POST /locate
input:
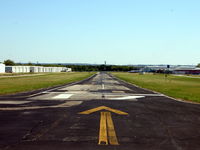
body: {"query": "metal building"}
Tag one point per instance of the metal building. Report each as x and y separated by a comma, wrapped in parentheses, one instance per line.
(17, 69)
(194, 71)
(2, 68)
(34, 69)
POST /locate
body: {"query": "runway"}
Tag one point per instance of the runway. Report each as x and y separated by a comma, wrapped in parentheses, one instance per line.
(101, 112)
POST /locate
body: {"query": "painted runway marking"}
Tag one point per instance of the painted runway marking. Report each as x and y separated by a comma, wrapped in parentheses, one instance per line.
(103, 86)
(107, 130)
(118, 92)
(103, 130)
(66, 104)
(111, 130)
(71, 92)
(107, 134)
(127, 97)
(62, 96)
(14, 102)
(87, 112)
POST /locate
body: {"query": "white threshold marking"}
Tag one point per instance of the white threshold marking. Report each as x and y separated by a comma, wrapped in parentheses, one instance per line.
(14, 102)
(67, 104)
(70, 92)
(127, 97)
(117, 94)
(62, 96)
(103, 86)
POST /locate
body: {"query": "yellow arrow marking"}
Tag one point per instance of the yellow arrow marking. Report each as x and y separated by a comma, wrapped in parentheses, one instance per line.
(103, 108)
(107, 130)
(103, 140)
(111, 130)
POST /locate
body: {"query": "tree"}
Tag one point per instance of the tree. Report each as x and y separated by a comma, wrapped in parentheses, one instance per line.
(9, 62)
(198, 65)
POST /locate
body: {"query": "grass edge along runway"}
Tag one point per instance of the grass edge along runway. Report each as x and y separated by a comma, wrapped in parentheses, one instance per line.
(29, 83)
(178, 87)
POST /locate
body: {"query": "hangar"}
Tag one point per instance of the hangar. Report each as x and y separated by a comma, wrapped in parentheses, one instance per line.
(194, 71)
(35, 69)
(18, 69)
(2, 68)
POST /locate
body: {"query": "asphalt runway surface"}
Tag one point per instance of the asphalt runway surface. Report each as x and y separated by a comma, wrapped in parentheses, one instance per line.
(100, 113)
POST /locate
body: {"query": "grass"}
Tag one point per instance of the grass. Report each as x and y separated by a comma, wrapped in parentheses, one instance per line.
(179, 87)
(28, 83)
(192, 75)
(15, 74)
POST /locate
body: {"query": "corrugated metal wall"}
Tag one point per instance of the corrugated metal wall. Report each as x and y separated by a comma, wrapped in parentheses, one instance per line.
(35, 69)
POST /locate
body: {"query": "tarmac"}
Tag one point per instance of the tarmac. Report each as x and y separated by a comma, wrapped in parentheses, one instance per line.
(99, 113)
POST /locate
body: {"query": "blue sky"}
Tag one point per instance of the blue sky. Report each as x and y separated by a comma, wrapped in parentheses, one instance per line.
(92, 31)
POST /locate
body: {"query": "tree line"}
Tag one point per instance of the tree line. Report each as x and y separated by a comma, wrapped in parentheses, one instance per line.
(81, 67)
(77, 67)
(101, 68)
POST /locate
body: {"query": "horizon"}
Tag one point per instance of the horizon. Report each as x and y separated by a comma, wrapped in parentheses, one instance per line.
(68, 63)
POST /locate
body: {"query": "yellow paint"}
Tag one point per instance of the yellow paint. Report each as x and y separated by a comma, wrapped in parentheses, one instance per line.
(103, 140)
(111, 130)
(107, 131)
(103, 108)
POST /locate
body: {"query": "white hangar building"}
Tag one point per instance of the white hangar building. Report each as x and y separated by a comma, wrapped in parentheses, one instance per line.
(35, 69)
(2, 68)
(18, 69)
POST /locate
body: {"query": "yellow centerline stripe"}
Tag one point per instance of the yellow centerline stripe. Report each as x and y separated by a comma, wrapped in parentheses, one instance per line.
(111, 130)
(103, 140)
(107, 132)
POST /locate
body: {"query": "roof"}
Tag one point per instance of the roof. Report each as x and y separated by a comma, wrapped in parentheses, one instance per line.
(189, 69)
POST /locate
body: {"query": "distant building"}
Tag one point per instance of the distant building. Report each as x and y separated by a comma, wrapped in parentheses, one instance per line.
(179, 69)
(49, 69)
(134, 71)
(2, 68)
(35, 69)
(64, 69)
(158, 69)
(17, 69)
(194, 71)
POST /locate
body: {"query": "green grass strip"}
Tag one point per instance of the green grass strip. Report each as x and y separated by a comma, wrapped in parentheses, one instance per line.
(10, 85)
(179, 87)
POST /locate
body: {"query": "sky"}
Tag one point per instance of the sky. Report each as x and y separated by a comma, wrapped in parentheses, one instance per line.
(93, 31)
